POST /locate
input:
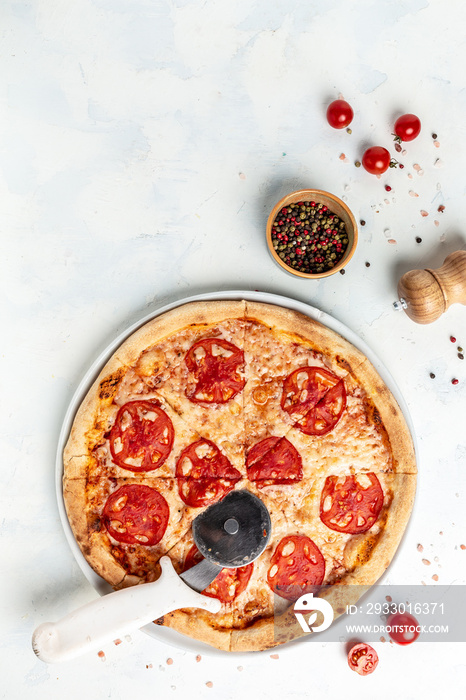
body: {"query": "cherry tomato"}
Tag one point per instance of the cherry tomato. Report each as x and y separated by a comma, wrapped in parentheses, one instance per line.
(363, 659)
(404, 628)
(339, 114)
(376, 160)
(407, 127)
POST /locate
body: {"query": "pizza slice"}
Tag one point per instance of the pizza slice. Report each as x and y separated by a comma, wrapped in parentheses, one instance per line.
(124, 526)
(335, 542)
(206, 387)
(286, 357)
(244, 593)
(124, 428)
(161, 344)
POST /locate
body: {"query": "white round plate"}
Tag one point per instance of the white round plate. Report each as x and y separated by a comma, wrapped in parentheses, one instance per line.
(102, 587)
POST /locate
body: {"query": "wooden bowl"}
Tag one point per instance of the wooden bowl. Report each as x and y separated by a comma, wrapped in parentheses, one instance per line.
(336, 206)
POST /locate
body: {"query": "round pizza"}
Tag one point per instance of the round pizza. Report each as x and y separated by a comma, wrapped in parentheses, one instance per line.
(221, 395)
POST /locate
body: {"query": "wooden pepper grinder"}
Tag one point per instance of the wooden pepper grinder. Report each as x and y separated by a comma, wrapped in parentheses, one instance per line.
(426, 294)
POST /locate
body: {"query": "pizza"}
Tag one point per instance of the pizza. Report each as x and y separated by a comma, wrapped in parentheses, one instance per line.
(221, 395)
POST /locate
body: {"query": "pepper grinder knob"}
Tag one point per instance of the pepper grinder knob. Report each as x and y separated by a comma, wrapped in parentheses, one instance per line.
(426, 294)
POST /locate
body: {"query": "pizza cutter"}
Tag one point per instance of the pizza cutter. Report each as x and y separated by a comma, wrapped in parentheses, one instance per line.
(230, 533)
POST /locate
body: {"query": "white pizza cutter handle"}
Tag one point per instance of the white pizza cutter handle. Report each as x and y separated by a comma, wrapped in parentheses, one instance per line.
(113, 615)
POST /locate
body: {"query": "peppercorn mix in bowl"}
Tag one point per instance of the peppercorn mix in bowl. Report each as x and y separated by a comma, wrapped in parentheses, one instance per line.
(311, 233)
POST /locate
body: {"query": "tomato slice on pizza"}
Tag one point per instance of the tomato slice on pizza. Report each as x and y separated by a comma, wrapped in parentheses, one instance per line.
(217, 368)
(204, 474)
(136, 514)
(274, 460)
(324, 416)
(314, 398)
(351, 504)
(297, 567)
(141, 437)
(228, 584)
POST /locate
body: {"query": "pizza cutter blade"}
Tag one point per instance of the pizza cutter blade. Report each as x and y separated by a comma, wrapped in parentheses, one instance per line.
(231, 534)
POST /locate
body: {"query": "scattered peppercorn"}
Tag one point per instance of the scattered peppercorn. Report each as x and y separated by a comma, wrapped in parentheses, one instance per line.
(452, 339)
(357, 163)
(368, 264)
(455, 381)
(308, 237)
(388, 188)
(362, 222)
(401, 166)
(441, 208)
(418, 239)
(348, 131)
(434, 136)
(460, 349)
(432, 375)
(461, 356)
(342, 272)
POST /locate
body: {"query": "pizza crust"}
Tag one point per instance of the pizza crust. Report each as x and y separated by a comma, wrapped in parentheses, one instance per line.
(97, 556)
(343, 356)
(97, 412)
(197, 624)
(198, 316)
(390, 415)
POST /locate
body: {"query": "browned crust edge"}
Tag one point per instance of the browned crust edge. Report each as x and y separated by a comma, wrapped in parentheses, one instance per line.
(299, 326)
(98, 556)
(197, 624)
(96, 403)
(401, 442)
(196, 313)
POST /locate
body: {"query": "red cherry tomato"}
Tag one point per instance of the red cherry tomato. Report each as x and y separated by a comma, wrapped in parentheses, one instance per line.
(376, 160)
(407, 127)
(403, 628)
(339, 114)
(363, 659)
